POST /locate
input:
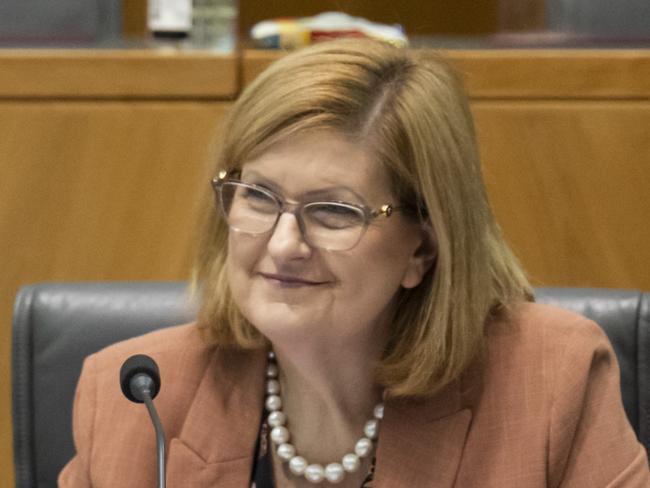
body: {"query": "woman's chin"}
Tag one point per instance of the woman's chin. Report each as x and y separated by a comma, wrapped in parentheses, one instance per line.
(282, 322)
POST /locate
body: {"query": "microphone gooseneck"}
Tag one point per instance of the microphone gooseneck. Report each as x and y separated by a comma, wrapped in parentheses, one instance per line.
(140, 383)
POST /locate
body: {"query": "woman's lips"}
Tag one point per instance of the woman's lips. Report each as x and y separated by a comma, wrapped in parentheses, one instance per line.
(287, 280)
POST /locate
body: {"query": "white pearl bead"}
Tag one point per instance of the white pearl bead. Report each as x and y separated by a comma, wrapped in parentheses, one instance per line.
(272, 370)
(371, 429)
(334, 473)
(286, 451)
(279, 435)
(378, 411)
(314, 473)
(351, 462)
(272, 387)
(273, 403)
(363, 447)
(276, 418)
(297, 465)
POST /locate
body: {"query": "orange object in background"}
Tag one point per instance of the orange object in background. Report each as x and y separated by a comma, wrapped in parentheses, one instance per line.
(291, 33)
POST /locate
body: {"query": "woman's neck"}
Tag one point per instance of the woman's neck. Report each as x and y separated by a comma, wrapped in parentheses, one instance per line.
(328, 394)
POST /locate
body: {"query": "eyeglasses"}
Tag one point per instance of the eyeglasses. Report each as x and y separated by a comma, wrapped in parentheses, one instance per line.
(255, 210)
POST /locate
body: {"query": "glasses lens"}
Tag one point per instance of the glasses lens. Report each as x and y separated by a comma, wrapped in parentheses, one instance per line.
(334, 226)
(248, 209)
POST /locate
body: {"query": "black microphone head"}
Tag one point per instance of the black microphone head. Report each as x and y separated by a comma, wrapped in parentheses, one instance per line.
(139, 364)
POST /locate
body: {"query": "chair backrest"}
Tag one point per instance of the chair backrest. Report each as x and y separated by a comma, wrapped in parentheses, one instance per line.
(57, 325)
(625, 317)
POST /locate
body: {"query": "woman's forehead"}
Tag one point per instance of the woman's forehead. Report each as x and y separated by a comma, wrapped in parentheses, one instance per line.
(318, 160)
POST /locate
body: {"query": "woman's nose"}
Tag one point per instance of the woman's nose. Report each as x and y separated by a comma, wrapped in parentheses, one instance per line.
(286, 241)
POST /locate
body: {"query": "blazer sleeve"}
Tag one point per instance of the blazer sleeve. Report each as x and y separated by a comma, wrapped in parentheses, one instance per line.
(76, 474)
(591, 442)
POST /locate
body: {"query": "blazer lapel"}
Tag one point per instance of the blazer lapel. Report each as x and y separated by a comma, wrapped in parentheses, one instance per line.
(218, 438)
(421, 442)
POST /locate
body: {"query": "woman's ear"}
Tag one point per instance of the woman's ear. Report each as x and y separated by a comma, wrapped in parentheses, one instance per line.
(423, 258)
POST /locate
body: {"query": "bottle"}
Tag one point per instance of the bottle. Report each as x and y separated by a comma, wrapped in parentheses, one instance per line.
(214, 25)
(169, 19)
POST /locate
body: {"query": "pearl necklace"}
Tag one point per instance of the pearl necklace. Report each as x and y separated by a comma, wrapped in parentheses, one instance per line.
(298, 465)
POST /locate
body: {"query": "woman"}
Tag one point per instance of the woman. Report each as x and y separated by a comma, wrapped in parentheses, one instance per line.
(362, 321)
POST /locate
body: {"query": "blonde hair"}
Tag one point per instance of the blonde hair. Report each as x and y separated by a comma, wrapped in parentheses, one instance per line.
(412, 109)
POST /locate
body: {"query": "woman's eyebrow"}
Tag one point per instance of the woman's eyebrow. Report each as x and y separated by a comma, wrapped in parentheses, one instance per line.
(256, 178)
(335, 191)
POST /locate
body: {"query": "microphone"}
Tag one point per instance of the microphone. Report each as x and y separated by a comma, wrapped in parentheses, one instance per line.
(140, 383)
(139, 375)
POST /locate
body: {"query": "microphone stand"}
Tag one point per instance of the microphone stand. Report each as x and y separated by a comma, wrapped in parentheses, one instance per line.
(160, 437)
(140, 383)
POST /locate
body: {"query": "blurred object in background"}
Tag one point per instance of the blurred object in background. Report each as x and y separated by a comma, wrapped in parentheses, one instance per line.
(605, 19)
(486, 24)
(279, 34)
(291, 33)
(214, 24)
(440, 17)
(60, 22)
(207, 24)
(193, 24)
(543, 23)
(169, 19)
(521, 16)
(572, 24)
(134, 19)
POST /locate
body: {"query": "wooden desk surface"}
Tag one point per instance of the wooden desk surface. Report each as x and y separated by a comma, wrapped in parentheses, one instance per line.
(504, 74)
(531, 73)
(128, 74)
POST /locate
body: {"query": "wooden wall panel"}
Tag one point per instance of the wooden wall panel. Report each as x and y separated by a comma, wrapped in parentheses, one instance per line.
(128, 74)
(530, 74)
(96, 191)
(569, 183)
(99, 174)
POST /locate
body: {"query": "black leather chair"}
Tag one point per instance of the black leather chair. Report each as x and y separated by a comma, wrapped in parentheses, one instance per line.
(57, 325)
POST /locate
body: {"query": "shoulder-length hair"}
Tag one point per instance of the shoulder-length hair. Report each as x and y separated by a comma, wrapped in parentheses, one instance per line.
(411, 107)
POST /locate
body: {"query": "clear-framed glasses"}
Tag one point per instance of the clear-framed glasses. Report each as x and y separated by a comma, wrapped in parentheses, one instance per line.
(330, 225)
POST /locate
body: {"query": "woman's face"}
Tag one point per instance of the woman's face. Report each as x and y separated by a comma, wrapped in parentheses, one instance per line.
(290, 290)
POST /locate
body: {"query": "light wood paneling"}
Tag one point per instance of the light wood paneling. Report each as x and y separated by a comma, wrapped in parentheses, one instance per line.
(96, 191)
(255, 61)
(556, 73)
(102, 154)
(102, 157)
(111, 73)
(569, 183)
(531, 74)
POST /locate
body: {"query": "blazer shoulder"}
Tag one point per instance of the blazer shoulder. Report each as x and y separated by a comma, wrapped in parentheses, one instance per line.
(161, 340)
(539, 348)
(547, 395)
(534, 325)
(169, 347)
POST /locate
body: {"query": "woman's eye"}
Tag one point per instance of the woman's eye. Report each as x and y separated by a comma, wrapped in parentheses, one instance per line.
(334, 216)
(258, 200)
(251, 194)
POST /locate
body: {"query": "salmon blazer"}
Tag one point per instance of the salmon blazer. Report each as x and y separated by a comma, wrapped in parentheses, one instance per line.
(540, 408)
